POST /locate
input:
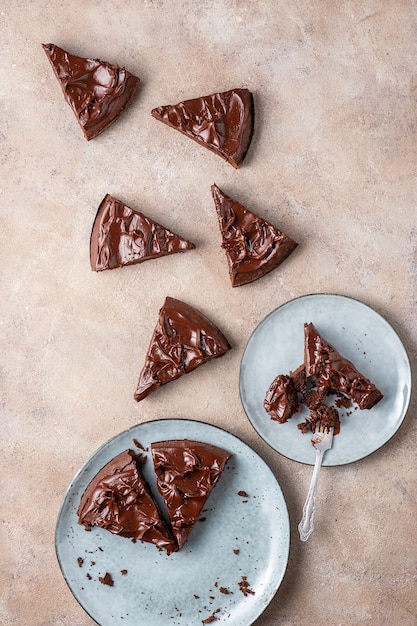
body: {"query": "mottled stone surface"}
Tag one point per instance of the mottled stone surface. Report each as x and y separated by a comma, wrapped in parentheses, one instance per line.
(332, 163)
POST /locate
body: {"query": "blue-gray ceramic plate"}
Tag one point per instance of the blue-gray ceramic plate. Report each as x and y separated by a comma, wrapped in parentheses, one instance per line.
(359, 334)
(230, 567)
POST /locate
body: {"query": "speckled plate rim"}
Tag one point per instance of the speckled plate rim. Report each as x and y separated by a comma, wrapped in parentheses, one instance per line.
(361, 335)
(242, 536)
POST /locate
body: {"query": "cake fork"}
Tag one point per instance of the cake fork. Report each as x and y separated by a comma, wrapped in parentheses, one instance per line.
(322, 441)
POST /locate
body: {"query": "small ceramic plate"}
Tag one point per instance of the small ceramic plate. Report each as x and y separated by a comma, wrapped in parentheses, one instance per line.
(360, 335)
(230, 567)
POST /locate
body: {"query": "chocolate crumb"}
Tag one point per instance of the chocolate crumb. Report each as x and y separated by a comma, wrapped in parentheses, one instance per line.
(88, 576)
(211, 618)
(123, 572)
(243, 494)
(343, 401)
(106, 579)
(224, 590)
(80, 561)
(236, 551)
(244, 587)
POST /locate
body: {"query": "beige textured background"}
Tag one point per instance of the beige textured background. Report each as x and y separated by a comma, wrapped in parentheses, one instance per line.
(332, 162)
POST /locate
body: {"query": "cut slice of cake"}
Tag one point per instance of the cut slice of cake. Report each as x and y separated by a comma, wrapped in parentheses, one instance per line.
(221, 122)
(334, 372)
(118, 499)
(187, 472)
(253, 246)
(97, 91)
(183, 339)
(324, 372)
(122, 236)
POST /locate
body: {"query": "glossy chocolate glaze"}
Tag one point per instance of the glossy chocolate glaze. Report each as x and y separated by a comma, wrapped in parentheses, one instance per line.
(253, 246)
(118, 500)
(183, 339)
(221, 122)
(97, 91)
(281, 400)
(122, 236)
(332, 370)
(187, 471)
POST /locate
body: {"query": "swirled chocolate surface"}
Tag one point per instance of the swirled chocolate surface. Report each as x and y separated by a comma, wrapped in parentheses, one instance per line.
(97, 91)
(281, 400)
(221, 122)
(335, 372)
(187, 471)
(122, 236)
(183, 339)
(118, 500)
(253, 246)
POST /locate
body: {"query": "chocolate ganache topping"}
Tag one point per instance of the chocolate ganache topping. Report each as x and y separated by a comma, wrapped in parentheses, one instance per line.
(253, 246)
(335, 372)
(187, 471)
(97, 91)
(221, 122)
(118, 499)
(183, 339)
(281, 400)
(121, 236)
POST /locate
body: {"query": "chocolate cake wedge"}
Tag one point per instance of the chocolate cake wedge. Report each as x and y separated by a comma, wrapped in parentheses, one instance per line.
(98, 92)
(118, 499)
(122, 236)
(187, 472)
(324, 372)
(253, 246)
(221, 122)
(182, 340)
(334, 372)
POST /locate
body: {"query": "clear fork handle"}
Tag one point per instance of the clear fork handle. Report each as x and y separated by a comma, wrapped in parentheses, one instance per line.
(306, 526)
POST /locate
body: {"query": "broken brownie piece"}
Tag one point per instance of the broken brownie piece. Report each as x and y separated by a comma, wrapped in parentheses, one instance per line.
(281, 400)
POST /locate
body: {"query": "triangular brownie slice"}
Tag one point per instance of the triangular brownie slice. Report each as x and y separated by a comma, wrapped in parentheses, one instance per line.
(122, 236)
(187, 472)
(183, 339)
(334, 372)
(221, 122)
(253, 246)
(98, 92)
(118, 499)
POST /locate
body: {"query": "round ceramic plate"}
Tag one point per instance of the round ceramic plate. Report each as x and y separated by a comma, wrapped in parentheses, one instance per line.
(230, 567)
(360, 335)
